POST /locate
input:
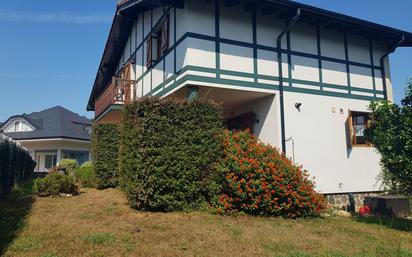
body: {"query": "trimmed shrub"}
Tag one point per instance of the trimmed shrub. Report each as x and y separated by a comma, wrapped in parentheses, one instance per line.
(16, 165)
(257, 179)
(69, 165)
(105, 145)
(168, 153)
(85, 175)
(55, 184)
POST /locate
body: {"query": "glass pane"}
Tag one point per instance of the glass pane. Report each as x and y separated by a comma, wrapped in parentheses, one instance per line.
(50, 161)
(359, 130)
(360, 120)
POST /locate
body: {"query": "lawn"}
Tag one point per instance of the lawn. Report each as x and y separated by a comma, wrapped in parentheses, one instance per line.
(100, 223)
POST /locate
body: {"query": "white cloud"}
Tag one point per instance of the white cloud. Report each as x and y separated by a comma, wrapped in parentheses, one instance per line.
(58, 17)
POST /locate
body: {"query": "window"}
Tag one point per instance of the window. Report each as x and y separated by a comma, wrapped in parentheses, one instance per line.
(17, 126)
(157, 43)
(357, 123)
(50, 161)
(80, 156)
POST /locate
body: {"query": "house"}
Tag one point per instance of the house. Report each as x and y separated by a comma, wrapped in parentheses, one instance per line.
(51, 135)
(299, 77)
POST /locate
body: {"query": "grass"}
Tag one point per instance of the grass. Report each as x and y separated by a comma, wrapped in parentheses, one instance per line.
(100, 223)
(13, 212)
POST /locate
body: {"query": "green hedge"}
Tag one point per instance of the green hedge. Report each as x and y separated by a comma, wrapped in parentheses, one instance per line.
(55, 184)
(16, 166)
(168, 153)
(85, 175)
(105, 141)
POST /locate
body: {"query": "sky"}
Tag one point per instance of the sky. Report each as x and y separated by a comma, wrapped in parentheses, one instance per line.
(50, 50)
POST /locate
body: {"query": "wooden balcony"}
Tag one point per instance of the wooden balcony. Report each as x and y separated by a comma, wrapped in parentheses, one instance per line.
(119, 92)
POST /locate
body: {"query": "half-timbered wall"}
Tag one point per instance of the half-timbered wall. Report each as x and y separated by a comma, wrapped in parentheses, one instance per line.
(328, 71)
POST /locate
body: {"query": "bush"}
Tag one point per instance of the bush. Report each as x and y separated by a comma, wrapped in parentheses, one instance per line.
(16, 165)
(168, 152)
(55, 184)
(85, 175)
(258, 180)
(391, 134)
(105, 145)
(70, 166)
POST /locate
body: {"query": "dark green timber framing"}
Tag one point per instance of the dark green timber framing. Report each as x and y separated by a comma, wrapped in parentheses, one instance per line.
(345, 42)
(255, 62)
(319, 56)
(172, 81)
(217, 35)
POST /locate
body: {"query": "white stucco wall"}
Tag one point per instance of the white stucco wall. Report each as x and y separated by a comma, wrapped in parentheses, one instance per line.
(53, 146)
(320, 85)
(321, 145)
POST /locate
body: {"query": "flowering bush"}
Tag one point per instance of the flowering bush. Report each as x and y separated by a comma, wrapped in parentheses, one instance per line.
(257, 179)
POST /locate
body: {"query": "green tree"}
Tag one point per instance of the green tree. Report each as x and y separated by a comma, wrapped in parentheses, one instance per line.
(391, 133)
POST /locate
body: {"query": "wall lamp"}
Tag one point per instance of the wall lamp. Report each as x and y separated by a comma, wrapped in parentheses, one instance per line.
(298, 105)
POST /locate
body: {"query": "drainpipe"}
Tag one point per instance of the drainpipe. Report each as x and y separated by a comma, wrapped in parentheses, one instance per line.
(383, 64)
(282, 107)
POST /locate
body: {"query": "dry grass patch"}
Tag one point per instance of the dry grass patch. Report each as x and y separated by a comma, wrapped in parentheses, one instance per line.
(100, 223)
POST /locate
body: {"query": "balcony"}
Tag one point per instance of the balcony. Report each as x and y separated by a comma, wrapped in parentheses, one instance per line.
(119, 92)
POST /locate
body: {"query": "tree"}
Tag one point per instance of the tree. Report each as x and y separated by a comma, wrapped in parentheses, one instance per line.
(391, 133)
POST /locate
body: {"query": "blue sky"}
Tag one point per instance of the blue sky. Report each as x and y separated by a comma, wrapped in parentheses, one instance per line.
(50, 50)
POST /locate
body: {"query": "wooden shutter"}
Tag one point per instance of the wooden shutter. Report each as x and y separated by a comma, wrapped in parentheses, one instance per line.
(164, 39)
(349, 130)
(149, 56)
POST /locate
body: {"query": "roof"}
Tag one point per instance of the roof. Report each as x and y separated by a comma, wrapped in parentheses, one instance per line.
(56, 122)
(128, 10)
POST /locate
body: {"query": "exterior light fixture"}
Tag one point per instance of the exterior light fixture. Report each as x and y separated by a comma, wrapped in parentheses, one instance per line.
(298, 105)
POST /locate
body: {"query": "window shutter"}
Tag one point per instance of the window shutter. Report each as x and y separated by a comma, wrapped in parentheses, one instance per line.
(165, 35)
(149, 57)
(349, 130)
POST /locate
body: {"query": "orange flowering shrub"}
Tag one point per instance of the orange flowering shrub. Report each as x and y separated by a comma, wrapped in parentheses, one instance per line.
(257, 179)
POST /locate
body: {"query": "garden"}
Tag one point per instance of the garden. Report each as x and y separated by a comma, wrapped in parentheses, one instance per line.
(171, 181)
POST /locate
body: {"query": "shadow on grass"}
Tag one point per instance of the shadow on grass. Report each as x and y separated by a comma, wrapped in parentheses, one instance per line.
(387, 221)
(13, 212)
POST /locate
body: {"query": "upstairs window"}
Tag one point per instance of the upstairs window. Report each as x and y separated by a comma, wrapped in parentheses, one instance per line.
(358, 122)
(18, 126)
(157, 43)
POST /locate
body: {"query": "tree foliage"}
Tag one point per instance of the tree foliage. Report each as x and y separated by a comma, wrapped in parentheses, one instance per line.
(391, 133)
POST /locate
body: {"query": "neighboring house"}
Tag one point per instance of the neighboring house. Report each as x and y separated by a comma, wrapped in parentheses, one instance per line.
(51, 135)
(299, 77)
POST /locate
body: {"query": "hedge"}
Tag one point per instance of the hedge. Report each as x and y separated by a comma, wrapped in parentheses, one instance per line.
(168, 153)
(105, 144)
(16, 165)
(257, 179)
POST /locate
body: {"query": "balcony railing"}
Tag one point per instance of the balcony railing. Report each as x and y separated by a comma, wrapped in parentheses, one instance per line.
(120, 91)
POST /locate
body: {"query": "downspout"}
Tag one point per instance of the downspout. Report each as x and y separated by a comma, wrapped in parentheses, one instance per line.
(382, 63)
(282, 107)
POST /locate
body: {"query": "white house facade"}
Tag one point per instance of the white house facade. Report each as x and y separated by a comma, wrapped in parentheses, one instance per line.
(50, 136)
(301, 78)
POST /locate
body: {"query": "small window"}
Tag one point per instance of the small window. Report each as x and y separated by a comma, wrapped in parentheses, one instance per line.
(17, 126)
(50, 161)
(157, 43)
(358, 122)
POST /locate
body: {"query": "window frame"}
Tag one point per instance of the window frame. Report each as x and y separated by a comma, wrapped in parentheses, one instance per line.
(157, 42)
(352, 129)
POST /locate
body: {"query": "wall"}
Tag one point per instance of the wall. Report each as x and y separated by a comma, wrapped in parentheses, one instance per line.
(219, 46)
(321, 144)
(266, 110)
(243, 48)
(54, 146)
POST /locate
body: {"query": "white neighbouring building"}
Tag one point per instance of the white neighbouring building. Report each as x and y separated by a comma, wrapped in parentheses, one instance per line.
(299, 77)
(50, 136)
